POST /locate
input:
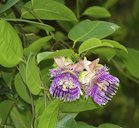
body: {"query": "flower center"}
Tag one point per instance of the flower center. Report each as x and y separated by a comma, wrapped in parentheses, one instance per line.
(67, 82)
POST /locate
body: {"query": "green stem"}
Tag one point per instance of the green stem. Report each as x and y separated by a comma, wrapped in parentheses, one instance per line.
(32, 13)
(33, 111)
(27, 21)
(35, 16)
(66, 44)
(74, 43)
(78, 9)
(46, 93)
(45, 98)
(22, 20)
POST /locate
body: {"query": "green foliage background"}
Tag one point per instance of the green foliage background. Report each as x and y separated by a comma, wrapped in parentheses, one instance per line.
(33, 32)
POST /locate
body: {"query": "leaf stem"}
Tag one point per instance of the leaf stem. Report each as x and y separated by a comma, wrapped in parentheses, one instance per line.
(45, 90)
(46, 93)
(32, 13)
(66, 44)
(74, 43)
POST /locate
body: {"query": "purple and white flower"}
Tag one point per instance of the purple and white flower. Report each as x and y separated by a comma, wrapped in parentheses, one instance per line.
(97, 82)
(65, 84)
(92, 77)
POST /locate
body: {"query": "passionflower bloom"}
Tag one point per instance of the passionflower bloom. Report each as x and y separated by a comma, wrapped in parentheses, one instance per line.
(97, 82)
(65, 84)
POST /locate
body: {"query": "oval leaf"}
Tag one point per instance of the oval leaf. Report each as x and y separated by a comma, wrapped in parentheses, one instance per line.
(11, 50)
(19, 119)
(89, 44)
(131, 61)
(91, 29)
(7, 5)
(67, 122)
(115, 44)
(105, 52)
(48, 118)
(39, 108)
(97, 12)
(8, 77)
(100, 47)
(50, 55)
(5, 108)
(22, 71)
(50, 10)
(21, 88)
(32, 76)
(78, 106)
(37, 45)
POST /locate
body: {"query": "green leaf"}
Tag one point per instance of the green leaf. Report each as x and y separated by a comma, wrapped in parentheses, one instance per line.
(84, 125)
(67, 122)
(37, 45)
(105, 48)
(50, 55)
(22, 71)
(20, 119)
(7, 5)
(78, 106)
(93, 43)
(91, 29)
(11, 50)
(5, 108)
(131, 61)
(48, 118)
(66, 25)
(8, 77)
(44, 75)
(50, 10)
(21, 89)
(115, 44)
(97, 12)
(39, 108)
(107, 125)
(89, 44)
(32, 76)
(106, 52)
(59, 36)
